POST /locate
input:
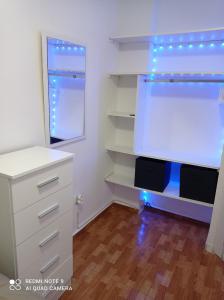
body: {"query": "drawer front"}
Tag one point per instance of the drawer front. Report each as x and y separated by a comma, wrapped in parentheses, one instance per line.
(41, 254)
(63, 272)
(42, 213)
(29, 189)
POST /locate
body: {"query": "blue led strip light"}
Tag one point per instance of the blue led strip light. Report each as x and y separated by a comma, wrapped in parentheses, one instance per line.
(153, 62)
(185, 46)
(145, 197)
(53, 106)
(64, 48)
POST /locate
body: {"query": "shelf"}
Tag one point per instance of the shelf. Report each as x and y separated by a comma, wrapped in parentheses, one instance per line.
(196, 77)
(121, 114)
(208, 35)
(120, 149)
(129, 73)
(175, 75)
(177, 158)
(66, 73)
(171, 191)
(172, 157)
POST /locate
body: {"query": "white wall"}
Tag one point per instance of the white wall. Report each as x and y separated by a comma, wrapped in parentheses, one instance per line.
(134, 16)
(21, 103)
(181, 15)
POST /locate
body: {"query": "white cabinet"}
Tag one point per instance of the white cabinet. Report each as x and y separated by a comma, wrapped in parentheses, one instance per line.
(36, 218)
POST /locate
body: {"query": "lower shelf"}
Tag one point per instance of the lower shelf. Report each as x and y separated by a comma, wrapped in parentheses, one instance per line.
(171, 191)
(120, 149)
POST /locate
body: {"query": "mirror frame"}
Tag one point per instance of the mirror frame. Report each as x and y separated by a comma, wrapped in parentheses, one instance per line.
(44, 38)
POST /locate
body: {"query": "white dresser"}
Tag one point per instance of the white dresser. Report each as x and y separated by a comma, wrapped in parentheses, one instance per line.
(36, 215)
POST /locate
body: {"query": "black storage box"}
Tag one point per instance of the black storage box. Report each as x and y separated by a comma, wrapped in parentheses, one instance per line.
(152, 174)
(198, 183)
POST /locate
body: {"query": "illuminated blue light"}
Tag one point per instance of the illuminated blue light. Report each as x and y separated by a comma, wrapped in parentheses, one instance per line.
(63, 48)
(54, 80)
(81, 49)
(57, 48)
(205, 45)
(145, 197)
(153, 70)
(69, 48)
(53, 95)
(154, 60)
(141, 234)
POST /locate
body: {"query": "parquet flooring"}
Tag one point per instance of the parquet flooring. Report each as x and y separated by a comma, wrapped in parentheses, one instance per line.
(123, 255)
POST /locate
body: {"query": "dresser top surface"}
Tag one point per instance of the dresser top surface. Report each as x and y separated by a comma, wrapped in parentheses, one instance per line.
(20, 163)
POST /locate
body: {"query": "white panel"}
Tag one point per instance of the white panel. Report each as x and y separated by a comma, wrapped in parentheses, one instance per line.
(180, 122)
(206, 60)
(7, 233)
(39, 185)
(133, 57)
(124, 165)
(41, 214)
(190, 210)
(59, 245)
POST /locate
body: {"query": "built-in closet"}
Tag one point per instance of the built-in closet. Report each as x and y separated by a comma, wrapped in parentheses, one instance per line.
(166, 103)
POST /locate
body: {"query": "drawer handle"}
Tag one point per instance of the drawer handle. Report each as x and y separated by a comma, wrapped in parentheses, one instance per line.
(49, 238)
(42, 184)
(49, 264)
(48, 211)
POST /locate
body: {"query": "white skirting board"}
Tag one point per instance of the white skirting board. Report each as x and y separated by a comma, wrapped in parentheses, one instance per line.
(92, 217)
(121, 202)
(209, 248)
(160, 203)
(126, 203)
(189, 210)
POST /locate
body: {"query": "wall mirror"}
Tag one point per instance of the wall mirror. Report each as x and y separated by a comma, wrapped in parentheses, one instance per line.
(64, 68)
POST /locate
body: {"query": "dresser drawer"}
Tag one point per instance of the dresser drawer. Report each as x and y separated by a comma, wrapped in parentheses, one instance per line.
(41, 254)
(28, 190)
(42, 213)
(64, 272)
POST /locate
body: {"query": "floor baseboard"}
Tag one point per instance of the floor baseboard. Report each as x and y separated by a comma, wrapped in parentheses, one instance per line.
(126, 204)
(85, 223)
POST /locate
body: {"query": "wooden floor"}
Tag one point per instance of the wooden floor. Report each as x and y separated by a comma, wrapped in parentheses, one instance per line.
(122, 255)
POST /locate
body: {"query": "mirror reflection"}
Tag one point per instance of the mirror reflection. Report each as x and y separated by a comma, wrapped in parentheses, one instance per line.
(66, 90)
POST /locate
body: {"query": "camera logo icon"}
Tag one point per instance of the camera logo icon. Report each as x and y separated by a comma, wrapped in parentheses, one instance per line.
(15, 285)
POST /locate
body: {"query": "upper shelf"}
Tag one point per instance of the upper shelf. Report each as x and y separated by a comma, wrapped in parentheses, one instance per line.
(66, 73)
(177, 77)
(209, 35)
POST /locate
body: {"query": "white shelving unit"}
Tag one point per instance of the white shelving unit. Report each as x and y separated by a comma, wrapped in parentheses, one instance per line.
(214, 34)
(171, 191)
(152, 91)
(120, 149)
(121, 114)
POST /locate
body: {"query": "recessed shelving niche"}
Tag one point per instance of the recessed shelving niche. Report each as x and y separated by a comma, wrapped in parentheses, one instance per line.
(178, 116)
